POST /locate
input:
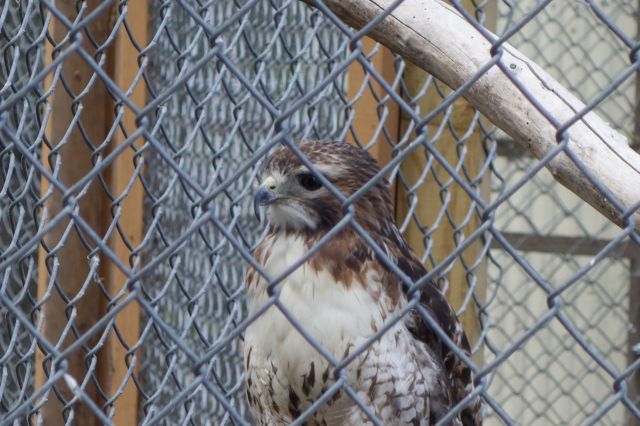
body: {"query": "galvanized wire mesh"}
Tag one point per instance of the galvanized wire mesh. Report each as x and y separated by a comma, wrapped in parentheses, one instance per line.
(548, 380)
(22, 53)
(226, 81)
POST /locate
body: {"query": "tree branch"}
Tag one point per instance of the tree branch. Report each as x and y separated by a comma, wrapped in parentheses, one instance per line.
(435, 37)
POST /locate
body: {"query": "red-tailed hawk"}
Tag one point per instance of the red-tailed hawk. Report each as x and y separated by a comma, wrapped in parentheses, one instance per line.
(341, 297)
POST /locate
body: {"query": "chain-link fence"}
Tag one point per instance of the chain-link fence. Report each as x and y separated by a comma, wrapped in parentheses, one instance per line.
(131, 139)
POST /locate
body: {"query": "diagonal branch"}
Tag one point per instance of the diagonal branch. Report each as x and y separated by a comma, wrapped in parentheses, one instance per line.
(439, 40)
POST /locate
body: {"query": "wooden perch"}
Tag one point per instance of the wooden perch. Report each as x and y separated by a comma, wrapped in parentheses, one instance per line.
(435, 37)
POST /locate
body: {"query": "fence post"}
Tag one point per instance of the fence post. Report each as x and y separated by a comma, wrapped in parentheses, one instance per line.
(66, 259)
(367, 119)
(117, 358)
(428, 192)
(65, 143)
(363, 130)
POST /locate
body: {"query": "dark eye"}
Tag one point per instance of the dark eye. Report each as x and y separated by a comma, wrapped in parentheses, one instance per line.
(309, 181)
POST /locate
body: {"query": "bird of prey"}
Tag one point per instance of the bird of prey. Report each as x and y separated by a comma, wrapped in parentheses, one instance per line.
(390, 363)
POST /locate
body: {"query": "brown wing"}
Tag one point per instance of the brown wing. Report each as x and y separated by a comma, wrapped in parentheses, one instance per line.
(458, 373)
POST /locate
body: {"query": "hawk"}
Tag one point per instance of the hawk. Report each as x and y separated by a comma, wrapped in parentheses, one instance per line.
(343, 296)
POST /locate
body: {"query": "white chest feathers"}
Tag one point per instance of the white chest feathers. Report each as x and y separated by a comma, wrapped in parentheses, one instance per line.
(286, 374)
(332, 313)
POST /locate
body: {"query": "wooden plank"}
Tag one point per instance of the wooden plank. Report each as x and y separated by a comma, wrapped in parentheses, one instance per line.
(428, 193)
(97, 118)
(115, 375)
(578, 246)
(367, 117)
(74, 265)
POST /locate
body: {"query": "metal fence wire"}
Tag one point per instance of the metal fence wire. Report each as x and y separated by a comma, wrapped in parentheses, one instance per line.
(131, 139)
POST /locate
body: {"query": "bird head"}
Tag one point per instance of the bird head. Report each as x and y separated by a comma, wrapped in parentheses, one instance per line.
(295, 198)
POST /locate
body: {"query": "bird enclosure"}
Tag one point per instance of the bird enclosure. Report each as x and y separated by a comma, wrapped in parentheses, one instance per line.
(131, 139)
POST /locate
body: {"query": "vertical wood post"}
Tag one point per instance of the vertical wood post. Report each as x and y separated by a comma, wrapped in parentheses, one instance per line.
(367, 117)
(115, 372)
(67, 260)
(432, 199)
(363, 130)
(69, 148)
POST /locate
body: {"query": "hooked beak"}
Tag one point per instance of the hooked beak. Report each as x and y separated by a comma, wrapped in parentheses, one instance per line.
(266, 194)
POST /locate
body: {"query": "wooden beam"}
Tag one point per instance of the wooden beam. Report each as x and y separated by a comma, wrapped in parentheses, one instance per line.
(431, 197)
(67, 145)
(368, 117)
(115, 362)
(97, 118)
(574, 246)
